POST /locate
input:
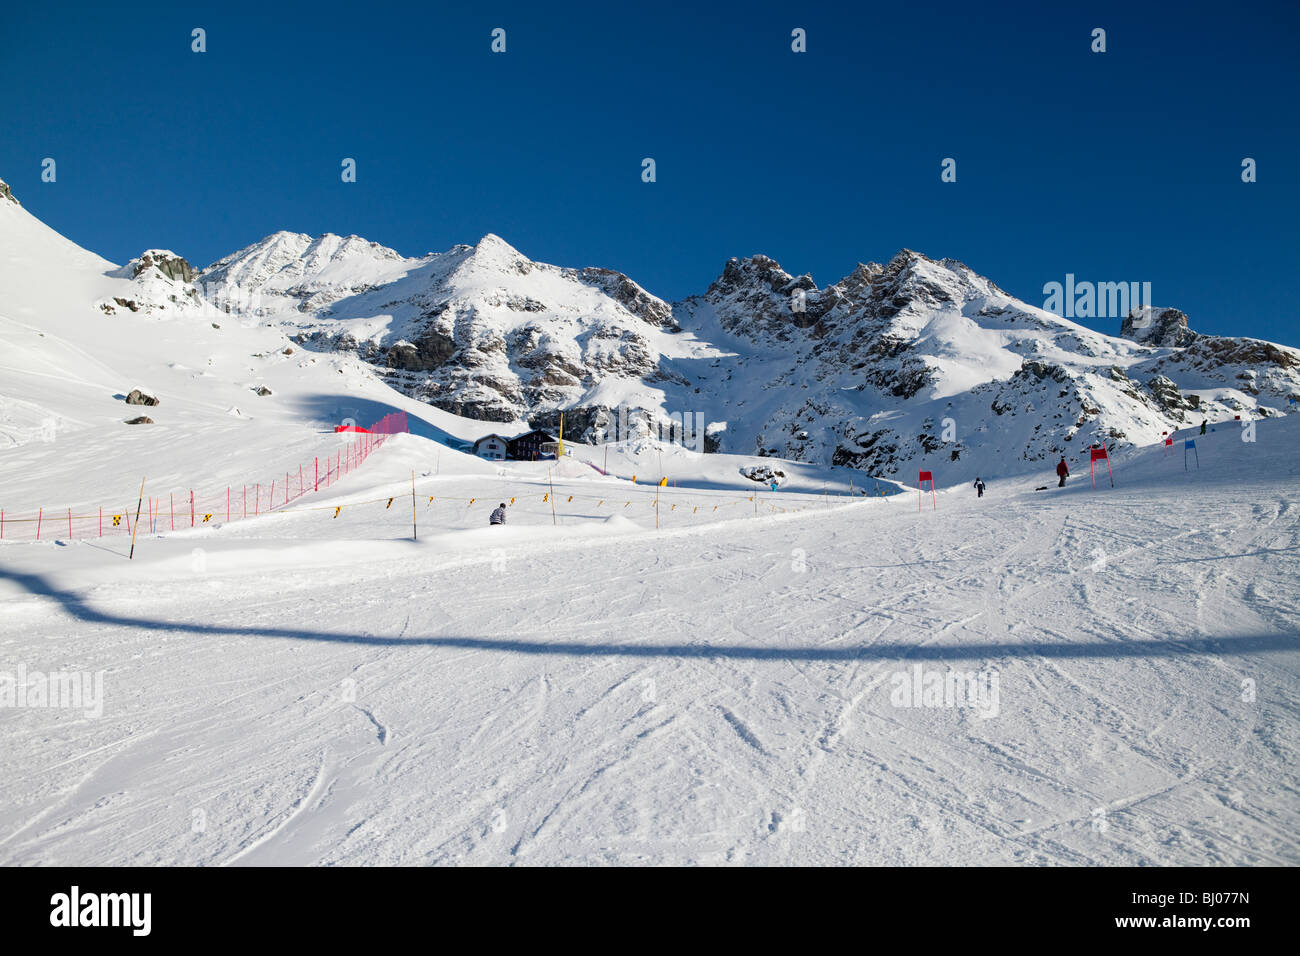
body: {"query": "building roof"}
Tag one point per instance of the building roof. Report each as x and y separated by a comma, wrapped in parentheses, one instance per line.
(535, 431)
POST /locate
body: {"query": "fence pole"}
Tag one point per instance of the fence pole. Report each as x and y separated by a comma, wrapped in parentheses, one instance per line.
(69, 524)
(227, 504)
(2, 523)
(39, 513)
(317, 488)
(172, 495)
(191, 507)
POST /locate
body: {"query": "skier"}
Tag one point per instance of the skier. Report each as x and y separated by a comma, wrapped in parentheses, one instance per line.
(1203, 421)
(1062, 470)
(979, 487)
(499, 515)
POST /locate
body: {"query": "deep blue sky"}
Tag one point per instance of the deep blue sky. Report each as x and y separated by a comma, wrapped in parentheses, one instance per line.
(1123, 166)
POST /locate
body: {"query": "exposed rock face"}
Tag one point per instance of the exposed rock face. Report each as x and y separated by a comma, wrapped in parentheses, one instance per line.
(137, 397)
(6, 195)
(629, 295)
(1168, 396)
(142, 420)
(262, 390)
(168, 263)
(1160, 328)
(431, 352)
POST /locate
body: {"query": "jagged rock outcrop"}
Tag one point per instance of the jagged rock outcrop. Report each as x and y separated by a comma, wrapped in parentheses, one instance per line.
(168, 263)
(1161, 328)
(6, 194)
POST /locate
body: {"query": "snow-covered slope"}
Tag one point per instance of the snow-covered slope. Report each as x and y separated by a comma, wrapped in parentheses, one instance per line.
(237, 399)
(735, 687)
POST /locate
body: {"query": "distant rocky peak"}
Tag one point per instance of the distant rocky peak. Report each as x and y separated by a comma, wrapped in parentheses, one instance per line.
(165, 261)
(7, 194)
(1161, 328)
(860, 279)
(751, 273)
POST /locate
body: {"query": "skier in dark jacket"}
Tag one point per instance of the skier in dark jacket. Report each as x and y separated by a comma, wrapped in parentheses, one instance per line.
(1062, 470)
(1203, 421)
(979, 487)
(499, 515)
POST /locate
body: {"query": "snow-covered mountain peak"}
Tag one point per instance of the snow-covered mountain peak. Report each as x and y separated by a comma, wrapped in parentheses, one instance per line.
(864, 372)
(6, 194)
(491, 255)
(290, 271)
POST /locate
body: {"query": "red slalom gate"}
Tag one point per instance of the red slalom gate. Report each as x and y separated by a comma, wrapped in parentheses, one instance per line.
(926, 476)
(1099, 454)
(95, 521)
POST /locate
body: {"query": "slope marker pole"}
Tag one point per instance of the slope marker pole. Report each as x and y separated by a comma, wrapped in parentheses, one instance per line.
(139, 501)
(552, 486)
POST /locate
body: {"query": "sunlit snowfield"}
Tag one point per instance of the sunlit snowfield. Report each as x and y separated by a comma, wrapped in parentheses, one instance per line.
(304, 689)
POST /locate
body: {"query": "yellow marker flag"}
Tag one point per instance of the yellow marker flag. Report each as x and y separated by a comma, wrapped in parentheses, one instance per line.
(390, 503)
(430, 499)
(546, 497)
(570, 497)
(207, 518)
(337, 510)
(512, 501)
(663, 482)
(471, 501)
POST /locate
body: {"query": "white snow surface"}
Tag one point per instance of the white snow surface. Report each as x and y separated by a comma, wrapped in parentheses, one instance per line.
(581, 687)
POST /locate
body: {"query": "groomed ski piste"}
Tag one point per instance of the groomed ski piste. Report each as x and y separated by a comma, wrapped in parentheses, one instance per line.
(1070, 676)
(581, 687)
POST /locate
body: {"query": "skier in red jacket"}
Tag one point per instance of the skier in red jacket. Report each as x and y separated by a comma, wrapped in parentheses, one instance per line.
(1063, 470)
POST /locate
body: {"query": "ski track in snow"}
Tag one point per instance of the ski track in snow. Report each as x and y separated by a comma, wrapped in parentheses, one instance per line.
(684, 696)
